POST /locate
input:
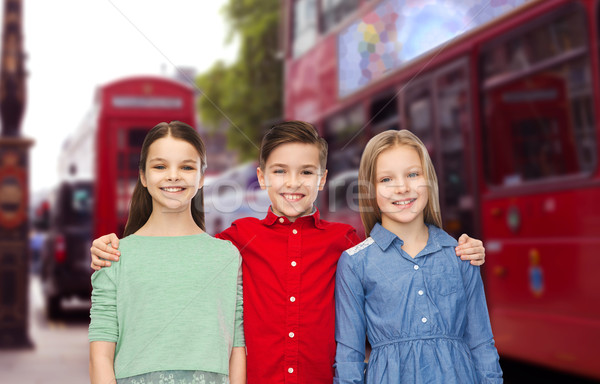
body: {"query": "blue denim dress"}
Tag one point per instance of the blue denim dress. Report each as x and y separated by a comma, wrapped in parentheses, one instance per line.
(426, 318)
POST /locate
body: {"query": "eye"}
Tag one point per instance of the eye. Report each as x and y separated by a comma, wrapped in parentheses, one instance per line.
(278, 171)
(159, 167)
(187, 168)
(413, 174)
(307, 172)
(385, 180)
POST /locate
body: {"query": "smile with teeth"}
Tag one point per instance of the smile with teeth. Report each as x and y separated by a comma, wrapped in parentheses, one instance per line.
(292, 196)
(404, 202)
(172, 189)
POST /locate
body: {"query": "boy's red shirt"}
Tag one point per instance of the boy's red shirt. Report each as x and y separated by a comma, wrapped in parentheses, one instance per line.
(289, 279)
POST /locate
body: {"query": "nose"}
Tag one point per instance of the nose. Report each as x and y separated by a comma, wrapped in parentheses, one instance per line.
(292, 181)
(401, 187)
(173, 174)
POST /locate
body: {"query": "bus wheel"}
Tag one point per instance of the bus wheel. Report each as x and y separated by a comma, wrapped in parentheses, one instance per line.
(53, 309)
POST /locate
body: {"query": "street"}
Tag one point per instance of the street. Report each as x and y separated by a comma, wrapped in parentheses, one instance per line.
(60, 353)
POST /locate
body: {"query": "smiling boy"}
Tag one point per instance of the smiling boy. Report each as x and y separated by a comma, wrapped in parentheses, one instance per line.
(289, 262)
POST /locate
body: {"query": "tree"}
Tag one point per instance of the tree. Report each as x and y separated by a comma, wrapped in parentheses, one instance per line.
(246, 95)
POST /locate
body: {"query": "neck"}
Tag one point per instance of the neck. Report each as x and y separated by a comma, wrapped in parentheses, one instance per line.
(170, 223)
(411, 233)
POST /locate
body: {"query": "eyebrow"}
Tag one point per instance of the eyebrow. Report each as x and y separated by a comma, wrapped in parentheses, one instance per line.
(282, 165)
(164, 160)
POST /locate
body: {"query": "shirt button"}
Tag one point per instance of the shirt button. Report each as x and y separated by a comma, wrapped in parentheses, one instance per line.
(281, 220)
(294, 231)
(293, 263)
(416, 267)
(291, 370)
(291, 334)
(292, 299)
(420, 292)
(424, 320)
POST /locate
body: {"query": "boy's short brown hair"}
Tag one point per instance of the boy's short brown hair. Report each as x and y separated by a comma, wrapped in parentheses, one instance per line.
(292, 132)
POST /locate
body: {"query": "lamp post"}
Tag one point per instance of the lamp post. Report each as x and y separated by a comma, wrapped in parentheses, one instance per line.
(14, 185)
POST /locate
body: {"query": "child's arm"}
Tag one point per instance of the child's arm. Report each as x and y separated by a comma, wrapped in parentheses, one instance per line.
(478, 332)
(237, 360)
(237, 366)
(350, 325)
(102, 354)
(470, 249)
(100, 250)
(104, 328)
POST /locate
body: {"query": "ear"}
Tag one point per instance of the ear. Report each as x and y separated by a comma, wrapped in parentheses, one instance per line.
(201, 183)
(322, 181)
(260, 175)
(143, 179)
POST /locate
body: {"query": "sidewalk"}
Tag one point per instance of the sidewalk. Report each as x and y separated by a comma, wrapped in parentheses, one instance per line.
(61, 349)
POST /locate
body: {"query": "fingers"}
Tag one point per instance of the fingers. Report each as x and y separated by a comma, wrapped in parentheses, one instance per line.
(103, 242)
(463, 239)
(472, 250)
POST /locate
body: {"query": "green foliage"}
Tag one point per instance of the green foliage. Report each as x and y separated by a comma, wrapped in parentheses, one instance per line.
(246, 95)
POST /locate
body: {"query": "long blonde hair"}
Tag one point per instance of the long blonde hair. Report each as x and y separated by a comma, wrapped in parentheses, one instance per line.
(369, 211)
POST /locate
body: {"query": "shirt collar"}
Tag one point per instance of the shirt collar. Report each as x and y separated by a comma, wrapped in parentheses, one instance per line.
(314, 217)
(438, 238)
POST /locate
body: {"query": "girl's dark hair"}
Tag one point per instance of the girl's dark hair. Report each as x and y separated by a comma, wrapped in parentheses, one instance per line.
(292, 132)
(141, 201)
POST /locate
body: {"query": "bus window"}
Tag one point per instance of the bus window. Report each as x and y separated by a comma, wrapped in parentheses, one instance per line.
(346, 140)
(418, 112)
(456, 187)
(537, 109)
(334, 11)
(304, 34)
(384, 114)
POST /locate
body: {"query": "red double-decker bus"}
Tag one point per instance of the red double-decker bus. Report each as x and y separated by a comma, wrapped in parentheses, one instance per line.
(108, 144)
(98, 169)
(505, 94)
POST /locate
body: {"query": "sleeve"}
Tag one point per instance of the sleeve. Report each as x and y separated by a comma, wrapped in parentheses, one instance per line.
(231, 234)
(352, 238)
(478, 332)
(238, 336)
(103, 313)
(350, 325)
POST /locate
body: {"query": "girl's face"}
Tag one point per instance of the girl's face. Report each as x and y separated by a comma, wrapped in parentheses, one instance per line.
(173, 174)
(401, 189)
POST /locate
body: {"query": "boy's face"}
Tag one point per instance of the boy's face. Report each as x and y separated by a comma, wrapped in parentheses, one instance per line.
(293, 178)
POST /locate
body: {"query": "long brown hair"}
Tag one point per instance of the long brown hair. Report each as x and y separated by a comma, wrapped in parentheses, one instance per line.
(369, 211)
(141, 201)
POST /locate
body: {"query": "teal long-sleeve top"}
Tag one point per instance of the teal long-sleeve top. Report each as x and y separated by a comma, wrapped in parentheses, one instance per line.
(170, 303)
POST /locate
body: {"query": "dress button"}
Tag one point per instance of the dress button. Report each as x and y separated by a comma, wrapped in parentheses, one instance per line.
(424, 320)
(291, 334)
(281, 220)
(420, 292)
(291, 370)
(292, 299)
(293, 263)
(416, 267)
(294, 231)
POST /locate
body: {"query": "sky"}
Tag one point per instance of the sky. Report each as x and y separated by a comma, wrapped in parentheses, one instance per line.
(73, 46)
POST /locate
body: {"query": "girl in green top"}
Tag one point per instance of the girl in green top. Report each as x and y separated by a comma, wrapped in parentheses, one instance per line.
(172, 310)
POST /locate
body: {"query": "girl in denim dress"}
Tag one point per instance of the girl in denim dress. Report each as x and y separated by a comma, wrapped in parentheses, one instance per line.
(422, 309)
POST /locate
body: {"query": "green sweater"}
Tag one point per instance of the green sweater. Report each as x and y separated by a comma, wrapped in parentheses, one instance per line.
(170, 303)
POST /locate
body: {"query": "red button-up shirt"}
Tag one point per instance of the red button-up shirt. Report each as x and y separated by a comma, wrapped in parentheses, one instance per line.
(289, 279)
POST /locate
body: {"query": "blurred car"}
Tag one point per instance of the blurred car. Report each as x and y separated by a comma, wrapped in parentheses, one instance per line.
(65, 269)
(232, 195)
